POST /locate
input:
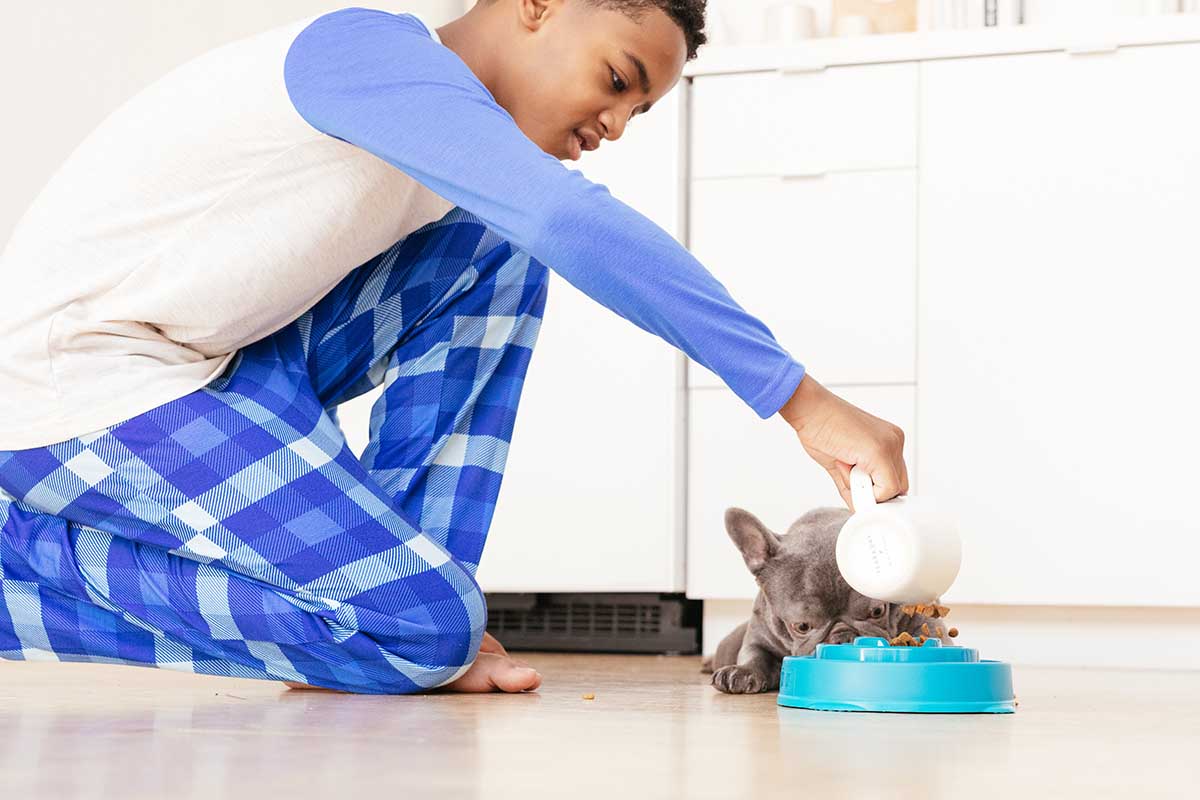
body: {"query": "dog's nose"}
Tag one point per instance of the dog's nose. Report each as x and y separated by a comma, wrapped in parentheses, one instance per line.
(842, 636)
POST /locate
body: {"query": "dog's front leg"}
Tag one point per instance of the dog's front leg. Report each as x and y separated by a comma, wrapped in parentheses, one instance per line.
(757, 670)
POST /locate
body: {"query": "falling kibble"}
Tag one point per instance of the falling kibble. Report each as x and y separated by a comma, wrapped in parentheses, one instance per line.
(589, 696)
(925, 629)
(954, 633)
(926, 609)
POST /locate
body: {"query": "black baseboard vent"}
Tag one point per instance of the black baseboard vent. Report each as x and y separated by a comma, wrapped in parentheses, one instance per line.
(596, 623)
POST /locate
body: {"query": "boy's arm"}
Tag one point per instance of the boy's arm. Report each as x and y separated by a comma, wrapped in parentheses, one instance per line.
(378, 81)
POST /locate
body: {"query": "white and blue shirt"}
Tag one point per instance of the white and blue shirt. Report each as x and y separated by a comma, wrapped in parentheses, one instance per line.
(223, 201)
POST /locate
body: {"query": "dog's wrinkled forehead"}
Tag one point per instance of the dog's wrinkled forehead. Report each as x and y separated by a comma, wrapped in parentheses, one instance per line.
(805, 567)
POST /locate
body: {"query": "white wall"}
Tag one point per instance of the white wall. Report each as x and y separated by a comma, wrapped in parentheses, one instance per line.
(65, 64)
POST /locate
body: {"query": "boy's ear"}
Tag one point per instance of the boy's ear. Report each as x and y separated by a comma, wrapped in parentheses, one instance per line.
(757, 543)
(534, 13)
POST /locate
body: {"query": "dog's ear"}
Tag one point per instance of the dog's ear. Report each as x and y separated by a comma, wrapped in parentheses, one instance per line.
(757, 543)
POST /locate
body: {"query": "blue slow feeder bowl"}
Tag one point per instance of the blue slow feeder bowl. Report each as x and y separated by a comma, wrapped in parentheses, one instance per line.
(871, 675)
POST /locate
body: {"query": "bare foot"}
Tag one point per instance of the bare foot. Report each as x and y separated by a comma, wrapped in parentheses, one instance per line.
(493, 672)
(491, 645)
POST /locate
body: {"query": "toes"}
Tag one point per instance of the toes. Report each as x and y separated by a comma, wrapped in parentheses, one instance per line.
(492, 672)
(517, 679)
(512, 678)
(720, 679)
(738, 680)
(748, 682)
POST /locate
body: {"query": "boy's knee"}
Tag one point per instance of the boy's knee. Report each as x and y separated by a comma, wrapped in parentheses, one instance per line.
(460, 633)
(450, 631)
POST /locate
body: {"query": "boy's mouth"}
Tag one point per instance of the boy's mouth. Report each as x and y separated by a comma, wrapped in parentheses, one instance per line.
(582, 140)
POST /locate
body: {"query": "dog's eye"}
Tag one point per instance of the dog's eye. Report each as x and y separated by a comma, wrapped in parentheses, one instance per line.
(801, 627)
(876, 612)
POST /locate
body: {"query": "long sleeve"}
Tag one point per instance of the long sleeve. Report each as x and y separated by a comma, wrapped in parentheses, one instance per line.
(379, 82)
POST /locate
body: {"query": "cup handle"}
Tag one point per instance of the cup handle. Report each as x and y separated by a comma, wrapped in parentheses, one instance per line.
(862, 490)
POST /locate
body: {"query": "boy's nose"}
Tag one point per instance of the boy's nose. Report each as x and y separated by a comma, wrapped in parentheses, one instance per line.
(612, 126)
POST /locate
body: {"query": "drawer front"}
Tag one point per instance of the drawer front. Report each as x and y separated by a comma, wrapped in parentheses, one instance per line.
(737, 459)
(829, 264)
(773, 123)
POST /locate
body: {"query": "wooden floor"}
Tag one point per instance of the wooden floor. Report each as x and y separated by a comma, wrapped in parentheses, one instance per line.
(654, 729)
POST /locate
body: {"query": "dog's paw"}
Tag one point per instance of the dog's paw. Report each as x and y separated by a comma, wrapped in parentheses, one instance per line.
(736, 679)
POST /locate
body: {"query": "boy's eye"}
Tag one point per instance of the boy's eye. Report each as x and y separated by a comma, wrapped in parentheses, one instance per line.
(617, 84)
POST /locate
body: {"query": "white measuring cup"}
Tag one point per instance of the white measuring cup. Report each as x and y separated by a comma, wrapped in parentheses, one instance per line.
(903, 551)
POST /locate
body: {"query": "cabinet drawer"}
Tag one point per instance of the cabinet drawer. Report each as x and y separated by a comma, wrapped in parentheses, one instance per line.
(772, 123)
(737, 459)
(829, 264)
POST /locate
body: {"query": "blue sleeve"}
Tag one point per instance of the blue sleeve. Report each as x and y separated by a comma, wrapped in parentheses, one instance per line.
(378, 81)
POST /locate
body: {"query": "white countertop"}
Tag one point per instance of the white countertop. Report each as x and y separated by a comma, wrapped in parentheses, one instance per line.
(817, 54)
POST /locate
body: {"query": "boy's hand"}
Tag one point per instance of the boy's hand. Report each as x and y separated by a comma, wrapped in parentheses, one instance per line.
(839, 435)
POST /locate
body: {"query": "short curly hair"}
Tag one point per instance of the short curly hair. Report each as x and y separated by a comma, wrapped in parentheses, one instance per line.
(688, 15)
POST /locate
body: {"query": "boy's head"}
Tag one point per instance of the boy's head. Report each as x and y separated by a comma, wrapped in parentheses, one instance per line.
(575, 72)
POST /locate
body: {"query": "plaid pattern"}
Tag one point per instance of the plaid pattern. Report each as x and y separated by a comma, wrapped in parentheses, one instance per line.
(233, 532)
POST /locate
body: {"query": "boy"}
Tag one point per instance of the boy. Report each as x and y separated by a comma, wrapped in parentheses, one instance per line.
(270, 230)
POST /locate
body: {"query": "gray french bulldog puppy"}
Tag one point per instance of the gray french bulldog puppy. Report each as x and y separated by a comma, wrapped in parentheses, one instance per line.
(802, 601)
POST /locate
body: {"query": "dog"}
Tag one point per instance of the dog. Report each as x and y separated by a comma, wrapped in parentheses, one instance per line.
(802, 601)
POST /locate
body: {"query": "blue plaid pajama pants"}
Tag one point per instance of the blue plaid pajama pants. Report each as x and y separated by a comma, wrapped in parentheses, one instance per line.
(233, 532)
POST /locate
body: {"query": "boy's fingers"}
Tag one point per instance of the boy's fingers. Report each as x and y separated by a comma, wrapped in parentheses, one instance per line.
(887, 482)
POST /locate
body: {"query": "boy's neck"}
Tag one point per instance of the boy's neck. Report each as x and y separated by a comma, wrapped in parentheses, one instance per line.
(473, 37)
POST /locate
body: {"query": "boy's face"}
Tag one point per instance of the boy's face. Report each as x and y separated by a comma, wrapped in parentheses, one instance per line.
(576, 78)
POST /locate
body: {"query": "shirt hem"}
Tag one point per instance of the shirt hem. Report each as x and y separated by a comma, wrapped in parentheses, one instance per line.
(65, 428)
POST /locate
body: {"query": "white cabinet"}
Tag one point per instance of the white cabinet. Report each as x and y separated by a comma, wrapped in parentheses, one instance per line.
(591, 496)
(828, 263)
(737, 459)
(1028, 223)
(781, 123)
(1058, 322)
(804, 204)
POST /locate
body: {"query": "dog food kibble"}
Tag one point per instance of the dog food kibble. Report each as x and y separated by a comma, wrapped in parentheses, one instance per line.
(589, 696)
(925, 629)
(926, 609)
(941, 631)
(904, 640)
(954, 633)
